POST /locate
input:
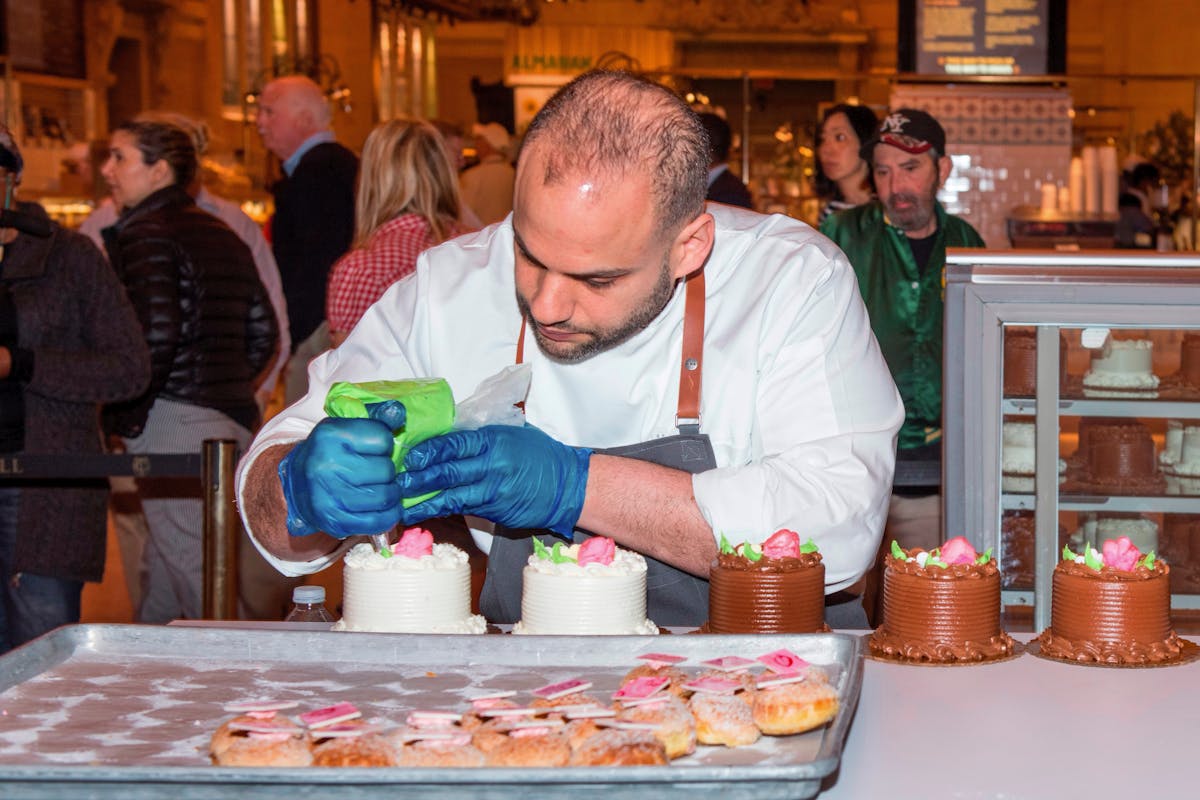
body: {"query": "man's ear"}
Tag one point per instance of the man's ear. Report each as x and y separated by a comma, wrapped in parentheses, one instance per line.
(692, 245)
(944, 165)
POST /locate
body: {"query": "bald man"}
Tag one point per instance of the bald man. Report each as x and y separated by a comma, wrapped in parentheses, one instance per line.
(314, 210)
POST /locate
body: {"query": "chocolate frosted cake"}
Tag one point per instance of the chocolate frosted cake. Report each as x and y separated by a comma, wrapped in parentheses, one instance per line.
(1020, 362)
(941, 611)
(1189, 361)
(778, 587)
(1117, 457)
(1111, 610)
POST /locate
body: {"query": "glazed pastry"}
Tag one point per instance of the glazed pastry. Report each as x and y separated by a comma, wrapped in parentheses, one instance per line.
(746, 679)
(677, 676)
(574, 699)
(619, 748)
(675, 727)
(254, 741)
(723, 719)
(367, 750)
(440, 753)
(794, 707)
(537, 750)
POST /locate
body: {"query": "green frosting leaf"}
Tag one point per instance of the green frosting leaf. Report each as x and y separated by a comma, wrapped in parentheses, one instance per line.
(386, 552)
(1148, 561)
(1068, 554)
(1092, 559)
(934, 561)
(984, 557)
(809, 547)
(540, 550)
(558, 556)
(724, 546)
(751, 553)
(898, 551)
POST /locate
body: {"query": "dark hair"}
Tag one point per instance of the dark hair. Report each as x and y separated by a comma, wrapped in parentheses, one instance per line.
(1144, 171)
(865, 124)
(162, 141)
(616, 123)
(720, 136)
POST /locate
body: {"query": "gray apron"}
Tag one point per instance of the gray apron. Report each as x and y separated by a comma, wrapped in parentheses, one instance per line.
(673, 597)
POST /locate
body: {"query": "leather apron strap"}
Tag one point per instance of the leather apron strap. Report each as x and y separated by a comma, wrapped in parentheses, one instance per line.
(673, 597)
(691, 361)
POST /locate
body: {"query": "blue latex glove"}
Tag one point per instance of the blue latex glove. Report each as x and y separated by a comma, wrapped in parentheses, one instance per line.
(518, 477)
(341, 479)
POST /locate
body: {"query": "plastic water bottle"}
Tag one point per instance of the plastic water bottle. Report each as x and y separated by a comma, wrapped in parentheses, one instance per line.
(308, 605)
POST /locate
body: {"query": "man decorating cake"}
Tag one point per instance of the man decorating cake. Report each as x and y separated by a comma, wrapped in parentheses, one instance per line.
(621, 290)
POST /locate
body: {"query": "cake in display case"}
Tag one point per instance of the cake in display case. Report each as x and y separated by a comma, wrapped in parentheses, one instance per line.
(1072, 411)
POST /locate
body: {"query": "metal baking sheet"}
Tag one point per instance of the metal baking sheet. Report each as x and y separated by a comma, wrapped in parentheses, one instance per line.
(127, 711)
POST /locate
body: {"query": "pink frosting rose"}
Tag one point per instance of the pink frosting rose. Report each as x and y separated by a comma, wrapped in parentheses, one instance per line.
(958, 551)
(414, 543)
(596, 550)
(782, 544)
(1121, 554)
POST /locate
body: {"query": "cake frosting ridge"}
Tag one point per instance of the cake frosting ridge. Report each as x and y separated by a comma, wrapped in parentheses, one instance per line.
(1111, 606)
(775, 587)
(591, 588)
(414, 589)
(941, 606)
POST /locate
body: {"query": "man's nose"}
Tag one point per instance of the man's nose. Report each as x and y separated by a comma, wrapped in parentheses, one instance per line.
(551, 302)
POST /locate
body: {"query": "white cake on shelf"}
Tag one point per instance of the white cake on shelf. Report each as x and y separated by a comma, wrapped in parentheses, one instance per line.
(1181, 456)
(1122, 368)
(561, 597)
(1018, 455)
(401, 594)
(1142, 532)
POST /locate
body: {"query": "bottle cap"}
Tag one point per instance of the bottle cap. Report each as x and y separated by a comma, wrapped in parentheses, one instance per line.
(308, 594)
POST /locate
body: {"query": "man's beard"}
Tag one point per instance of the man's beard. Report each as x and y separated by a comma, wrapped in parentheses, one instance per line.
(598, 341)
(918, 215)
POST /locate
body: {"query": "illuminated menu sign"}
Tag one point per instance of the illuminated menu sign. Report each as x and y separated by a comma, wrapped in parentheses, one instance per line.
(985, 37)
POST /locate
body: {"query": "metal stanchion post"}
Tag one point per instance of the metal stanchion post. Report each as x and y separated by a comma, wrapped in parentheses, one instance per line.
(221, 529)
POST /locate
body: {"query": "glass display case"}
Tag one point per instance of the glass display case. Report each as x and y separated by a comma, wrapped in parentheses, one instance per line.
(1072, 411)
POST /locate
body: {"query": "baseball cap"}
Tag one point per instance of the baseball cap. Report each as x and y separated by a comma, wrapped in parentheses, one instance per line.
(910, 130)
(10, 154)
(495, 134)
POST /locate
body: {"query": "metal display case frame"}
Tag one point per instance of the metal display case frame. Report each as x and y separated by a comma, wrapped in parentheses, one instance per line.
(986, 290)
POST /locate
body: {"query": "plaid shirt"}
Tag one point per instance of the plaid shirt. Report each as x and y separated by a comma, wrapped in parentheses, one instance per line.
(360, 277)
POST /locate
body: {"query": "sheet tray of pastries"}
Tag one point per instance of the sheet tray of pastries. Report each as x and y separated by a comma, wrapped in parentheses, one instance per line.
(138, 711)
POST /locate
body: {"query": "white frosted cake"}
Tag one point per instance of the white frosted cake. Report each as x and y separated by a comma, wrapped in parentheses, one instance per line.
(1018, 455)
(1142, 532)
(429, 593)
(1181, 455)
(561, 596)
(1122, 368)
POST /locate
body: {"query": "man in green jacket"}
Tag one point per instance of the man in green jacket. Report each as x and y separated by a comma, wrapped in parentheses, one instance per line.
(897, 245)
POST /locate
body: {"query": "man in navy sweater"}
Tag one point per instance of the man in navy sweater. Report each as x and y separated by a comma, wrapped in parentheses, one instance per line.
(314, 210)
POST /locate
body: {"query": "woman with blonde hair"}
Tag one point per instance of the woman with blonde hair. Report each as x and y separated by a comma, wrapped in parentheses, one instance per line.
(407, 202)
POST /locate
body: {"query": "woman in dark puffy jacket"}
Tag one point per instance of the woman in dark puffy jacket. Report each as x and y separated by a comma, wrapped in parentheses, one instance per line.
(210, 329)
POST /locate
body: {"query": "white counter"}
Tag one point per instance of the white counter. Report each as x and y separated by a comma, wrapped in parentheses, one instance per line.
(1023, 728)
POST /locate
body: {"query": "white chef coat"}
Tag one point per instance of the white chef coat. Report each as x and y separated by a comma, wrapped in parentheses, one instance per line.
(797, 399)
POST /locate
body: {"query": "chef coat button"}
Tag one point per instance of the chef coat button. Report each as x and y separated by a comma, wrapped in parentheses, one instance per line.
(915, 284)
(691, 363)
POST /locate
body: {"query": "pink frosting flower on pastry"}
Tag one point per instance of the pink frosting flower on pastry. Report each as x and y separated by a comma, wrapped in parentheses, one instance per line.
(782, 544)
(414, 543)
(958, 551)
(1121, 554)
(596, 550)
